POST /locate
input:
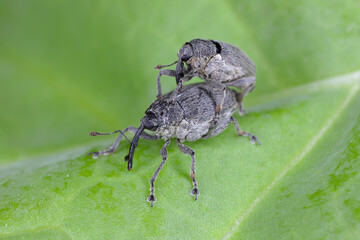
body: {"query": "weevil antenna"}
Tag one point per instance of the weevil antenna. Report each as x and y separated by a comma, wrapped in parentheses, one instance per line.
(133, 145)
(162, 66)
(117, 131)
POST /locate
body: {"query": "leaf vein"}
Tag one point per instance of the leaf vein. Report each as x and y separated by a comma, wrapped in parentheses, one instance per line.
(293, 163)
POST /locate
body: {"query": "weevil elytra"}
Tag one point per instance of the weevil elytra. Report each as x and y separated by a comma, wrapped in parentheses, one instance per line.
(190, 117)
(220, 64)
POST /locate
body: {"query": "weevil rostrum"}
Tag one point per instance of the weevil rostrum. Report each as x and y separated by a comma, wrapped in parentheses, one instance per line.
(190, 117)
(219, 64)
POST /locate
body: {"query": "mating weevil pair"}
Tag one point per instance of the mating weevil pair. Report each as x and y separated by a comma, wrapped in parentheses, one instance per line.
(199, 110)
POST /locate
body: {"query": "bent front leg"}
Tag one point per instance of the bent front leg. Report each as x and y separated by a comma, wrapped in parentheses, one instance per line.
(166, 72)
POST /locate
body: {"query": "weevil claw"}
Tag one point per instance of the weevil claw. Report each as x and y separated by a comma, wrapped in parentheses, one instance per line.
(255, 139)
(195, 192)
(151, 199)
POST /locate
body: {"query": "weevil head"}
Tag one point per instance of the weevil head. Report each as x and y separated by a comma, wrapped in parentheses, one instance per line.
(150, 121)
(184, 55)
(185, 52)
(162, 114)
(196, 54)
(155, 117)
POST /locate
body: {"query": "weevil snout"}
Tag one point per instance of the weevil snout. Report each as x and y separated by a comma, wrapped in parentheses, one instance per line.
(133, 145)
(149, 122)
(184, 54)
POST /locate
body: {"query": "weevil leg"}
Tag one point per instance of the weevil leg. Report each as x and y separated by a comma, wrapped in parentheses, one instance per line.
(253, 138)
(164, 154)
(218, 128)
(246, 84)
(189, 151)
(221, 87)
(113, 147)
(166, 72)
(182, 80)
(175, 91)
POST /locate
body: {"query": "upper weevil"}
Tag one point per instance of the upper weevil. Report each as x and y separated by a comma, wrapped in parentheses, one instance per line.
(220, 64)
(189, 118)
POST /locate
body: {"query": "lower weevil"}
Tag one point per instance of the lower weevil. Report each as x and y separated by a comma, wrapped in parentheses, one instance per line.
(190, 117)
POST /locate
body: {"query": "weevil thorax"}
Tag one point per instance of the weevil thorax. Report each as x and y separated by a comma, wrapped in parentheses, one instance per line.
(163, 118)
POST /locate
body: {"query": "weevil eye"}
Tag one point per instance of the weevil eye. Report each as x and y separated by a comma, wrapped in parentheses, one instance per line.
(185, 58)
(149, 125)
(150, 122)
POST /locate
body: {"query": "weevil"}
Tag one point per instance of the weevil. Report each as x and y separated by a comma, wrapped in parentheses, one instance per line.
(189, 118)
(220, 64)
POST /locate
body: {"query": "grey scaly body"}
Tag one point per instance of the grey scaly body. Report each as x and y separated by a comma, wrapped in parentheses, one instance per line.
(190, 117)
(219, 64)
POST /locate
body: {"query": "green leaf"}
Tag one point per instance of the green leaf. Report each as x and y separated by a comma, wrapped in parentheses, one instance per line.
(71, 67)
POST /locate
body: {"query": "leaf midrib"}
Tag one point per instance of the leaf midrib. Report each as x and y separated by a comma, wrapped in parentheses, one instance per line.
(349, 78)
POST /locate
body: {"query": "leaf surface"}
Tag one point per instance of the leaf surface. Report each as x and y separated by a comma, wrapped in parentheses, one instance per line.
(68, 68)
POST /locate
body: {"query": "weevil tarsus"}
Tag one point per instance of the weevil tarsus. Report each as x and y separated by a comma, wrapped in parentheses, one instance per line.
(240, 132)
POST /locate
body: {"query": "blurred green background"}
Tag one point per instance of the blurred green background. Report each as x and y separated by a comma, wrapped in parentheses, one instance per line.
(70, 67)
